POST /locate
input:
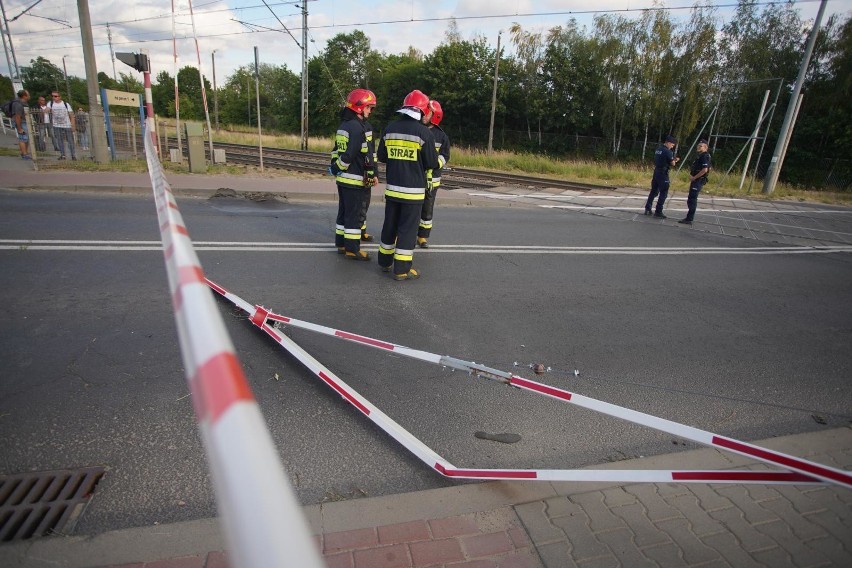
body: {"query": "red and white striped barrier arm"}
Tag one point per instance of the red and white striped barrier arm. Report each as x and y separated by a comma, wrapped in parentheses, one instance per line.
(263, 522)
(260, 317)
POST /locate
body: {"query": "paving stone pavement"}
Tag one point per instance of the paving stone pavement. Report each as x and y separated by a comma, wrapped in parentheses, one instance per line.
(697, 525)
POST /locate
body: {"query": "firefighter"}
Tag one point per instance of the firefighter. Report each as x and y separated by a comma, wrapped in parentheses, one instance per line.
(353, 164)
(408, 148)
(433, 177)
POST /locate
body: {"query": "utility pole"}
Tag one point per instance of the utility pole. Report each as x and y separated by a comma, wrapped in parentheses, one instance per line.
(111, 52)
(215, 92)
(177, 90)
(96, 112)
(67, 83)
(14, 71)
(304, 75)
(494, 94)
(780, 146)
(257, 91)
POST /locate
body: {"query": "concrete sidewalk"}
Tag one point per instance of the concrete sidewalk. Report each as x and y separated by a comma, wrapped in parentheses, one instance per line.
(20, 174)
(533, 524)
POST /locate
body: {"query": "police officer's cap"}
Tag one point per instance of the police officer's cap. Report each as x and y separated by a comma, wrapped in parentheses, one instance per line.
(671, 139)
(702, 141)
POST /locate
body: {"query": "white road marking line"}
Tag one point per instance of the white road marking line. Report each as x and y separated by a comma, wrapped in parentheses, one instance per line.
(643, 198)
(72, 245)
(701, 209)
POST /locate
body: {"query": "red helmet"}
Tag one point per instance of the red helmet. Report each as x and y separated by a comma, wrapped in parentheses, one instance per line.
(417, 100)
(437, 112)
(360, 98)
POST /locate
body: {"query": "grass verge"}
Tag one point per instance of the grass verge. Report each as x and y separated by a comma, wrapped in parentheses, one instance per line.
(626, 175)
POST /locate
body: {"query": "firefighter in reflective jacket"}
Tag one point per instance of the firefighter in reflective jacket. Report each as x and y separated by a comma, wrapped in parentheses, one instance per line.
(353, 164)
(433, 177)
(408, 148)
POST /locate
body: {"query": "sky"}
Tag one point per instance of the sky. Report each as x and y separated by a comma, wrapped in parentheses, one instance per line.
(233, 27)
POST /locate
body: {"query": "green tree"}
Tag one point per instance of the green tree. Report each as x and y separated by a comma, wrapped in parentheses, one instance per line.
(618, 61)
(824, 126)
(401, 74)
(344, 64)
(106, 82)
(574, 87)
(189, 86)
(531, 50)
(760, 42)
(129, 84)
(7, 91)
(695, 76)
(41, 76)
(280, 95)
(163, 93)
(236, 97)
(460, 76)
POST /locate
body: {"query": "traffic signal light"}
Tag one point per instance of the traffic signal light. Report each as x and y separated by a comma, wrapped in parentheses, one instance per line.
(138, 61)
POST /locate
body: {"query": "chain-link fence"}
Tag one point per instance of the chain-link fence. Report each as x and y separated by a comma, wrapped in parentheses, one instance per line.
(61, 132)
(799, 168)
(124, 133)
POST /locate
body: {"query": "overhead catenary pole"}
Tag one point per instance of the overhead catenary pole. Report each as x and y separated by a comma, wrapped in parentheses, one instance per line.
(760, 118)
(67, 83)
(494, 93)
(257, 92)
(304, 75)
(790, 131)
(111, 52)
(177, 91)
(96, 112)
(5, 45)
(780, 146)
(14, 70)
(215, 91)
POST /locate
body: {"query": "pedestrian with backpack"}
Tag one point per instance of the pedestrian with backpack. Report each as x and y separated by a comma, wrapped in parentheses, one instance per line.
(64, 123)
(15, 109)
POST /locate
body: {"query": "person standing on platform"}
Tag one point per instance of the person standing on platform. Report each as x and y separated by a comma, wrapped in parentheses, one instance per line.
(19, 117)
(64, 123)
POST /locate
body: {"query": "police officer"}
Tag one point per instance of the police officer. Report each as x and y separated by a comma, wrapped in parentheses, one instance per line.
(353, 163)
(664, 158)
(408, 148)
(433, 177)
(697, 178)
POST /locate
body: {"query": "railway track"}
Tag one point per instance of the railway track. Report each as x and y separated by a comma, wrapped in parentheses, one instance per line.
(454, 178)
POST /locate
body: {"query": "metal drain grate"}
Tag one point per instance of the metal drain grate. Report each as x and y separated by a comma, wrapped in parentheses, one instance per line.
(43, 503)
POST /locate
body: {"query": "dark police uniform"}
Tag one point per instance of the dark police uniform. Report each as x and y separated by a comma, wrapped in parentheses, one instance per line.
(695, 186)
(408, 148)
(663, 158)
(433, 180)
(354, 155)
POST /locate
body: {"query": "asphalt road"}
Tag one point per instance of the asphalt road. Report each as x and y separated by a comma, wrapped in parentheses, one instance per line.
(736, 340)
